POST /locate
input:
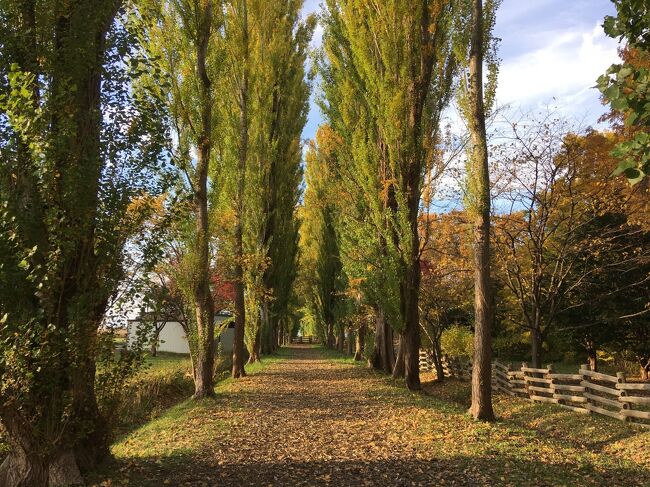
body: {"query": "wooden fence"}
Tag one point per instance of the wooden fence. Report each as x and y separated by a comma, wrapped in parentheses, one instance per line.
(586, 392)
(456, 367)
(305, 339)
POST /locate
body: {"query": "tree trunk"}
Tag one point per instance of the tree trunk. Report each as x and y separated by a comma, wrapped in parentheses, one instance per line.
(593, 358)
(399, 368)
(350, 342)
(536, 348)
(360, 343)
(340, 339)
(63, 416)
(384, 354)
(644, 367)
(255, 351)
(204, 307)
(240, 305)
(437, 361)
(479, 185)
(28, 466)
(22, 470)
(331, 340)
(93, 438)
(268, 331)
(410, 339)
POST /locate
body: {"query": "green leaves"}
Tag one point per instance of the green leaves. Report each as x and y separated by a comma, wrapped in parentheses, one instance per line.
(635, 158)
(627, 86)
(631, 23)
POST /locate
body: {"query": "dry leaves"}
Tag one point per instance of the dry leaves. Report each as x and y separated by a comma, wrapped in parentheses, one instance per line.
(310, 421)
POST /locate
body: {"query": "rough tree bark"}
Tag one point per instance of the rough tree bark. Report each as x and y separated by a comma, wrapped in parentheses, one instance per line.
(340, 339)
(52, 449)
(360, 343)
(331, 339)
(203, 303)
(384, 354)
(481, 407)
(399, 368)
(240, 306)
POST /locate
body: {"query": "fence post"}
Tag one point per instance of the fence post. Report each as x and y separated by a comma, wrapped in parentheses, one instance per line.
(586, 379)
(523, 366)
(551, 385)
(624, 405)
(509, 381)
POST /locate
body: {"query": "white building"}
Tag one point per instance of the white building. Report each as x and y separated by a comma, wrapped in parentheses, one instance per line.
(172, 336)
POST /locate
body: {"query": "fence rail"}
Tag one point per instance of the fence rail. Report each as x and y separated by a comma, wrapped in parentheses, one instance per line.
(304, 339)
(587, 392)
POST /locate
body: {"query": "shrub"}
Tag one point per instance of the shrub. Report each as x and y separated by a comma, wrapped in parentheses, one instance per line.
(457, 341)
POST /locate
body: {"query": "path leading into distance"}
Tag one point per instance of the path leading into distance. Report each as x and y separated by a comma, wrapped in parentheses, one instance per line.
(313, 419)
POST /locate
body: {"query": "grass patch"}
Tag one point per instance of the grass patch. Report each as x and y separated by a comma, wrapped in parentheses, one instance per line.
(165, 380)
(338, 357)
(556, 446)
(185, 426)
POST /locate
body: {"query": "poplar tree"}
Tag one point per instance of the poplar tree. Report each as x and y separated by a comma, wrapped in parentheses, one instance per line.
(235, 108)
(183, 35)
(321, 262)
(473, 103)
(398, 63)
(80, 145)
(278, 43)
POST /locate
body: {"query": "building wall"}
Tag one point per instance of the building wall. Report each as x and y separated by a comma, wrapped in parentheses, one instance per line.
(172, 337)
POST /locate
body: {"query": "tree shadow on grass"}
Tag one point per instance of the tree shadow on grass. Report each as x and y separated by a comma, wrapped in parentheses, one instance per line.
(550, 422)
(205, 470)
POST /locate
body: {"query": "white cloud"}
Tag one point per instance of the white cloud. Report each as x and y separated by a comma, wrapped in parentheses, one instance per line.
(566, 69)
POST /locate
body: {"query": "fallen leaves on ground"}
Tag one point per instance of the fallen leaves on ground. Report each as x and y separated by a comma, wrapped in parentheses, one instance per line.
(313, 420)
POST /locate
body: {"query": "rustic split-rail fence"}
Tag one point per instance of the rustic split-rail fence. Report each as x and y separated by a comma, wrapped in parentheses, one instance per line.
(304, 339)
(586, 392)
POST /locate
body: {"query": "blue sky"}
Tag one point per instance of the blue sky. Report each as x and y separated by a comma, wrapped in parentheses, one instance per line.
(552, 51)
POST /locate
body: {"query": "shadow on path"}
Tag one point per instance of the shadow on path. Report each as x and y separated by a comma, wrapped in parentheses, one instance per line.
(309, 420)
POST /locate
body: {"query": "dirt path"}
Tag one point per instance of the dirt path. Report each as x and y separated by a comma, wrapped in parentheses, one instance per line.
(310, 420)
(313, 420)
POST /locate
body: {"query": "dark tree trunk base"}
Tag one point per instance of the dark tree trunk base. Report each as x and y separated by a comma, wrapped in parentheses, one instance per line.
(238, 372)
(384, 355)
(204, 394)
(20, 470)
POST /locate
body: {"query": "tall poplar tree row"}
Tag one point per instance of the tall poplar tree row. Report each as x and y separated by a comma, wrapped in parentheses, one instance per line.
(362, 245)
(184, 36)
(397, 58)
(264, 107)
(320, 256)
(80, 146)
(290, 106)
(474, 104)
(278, 42)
